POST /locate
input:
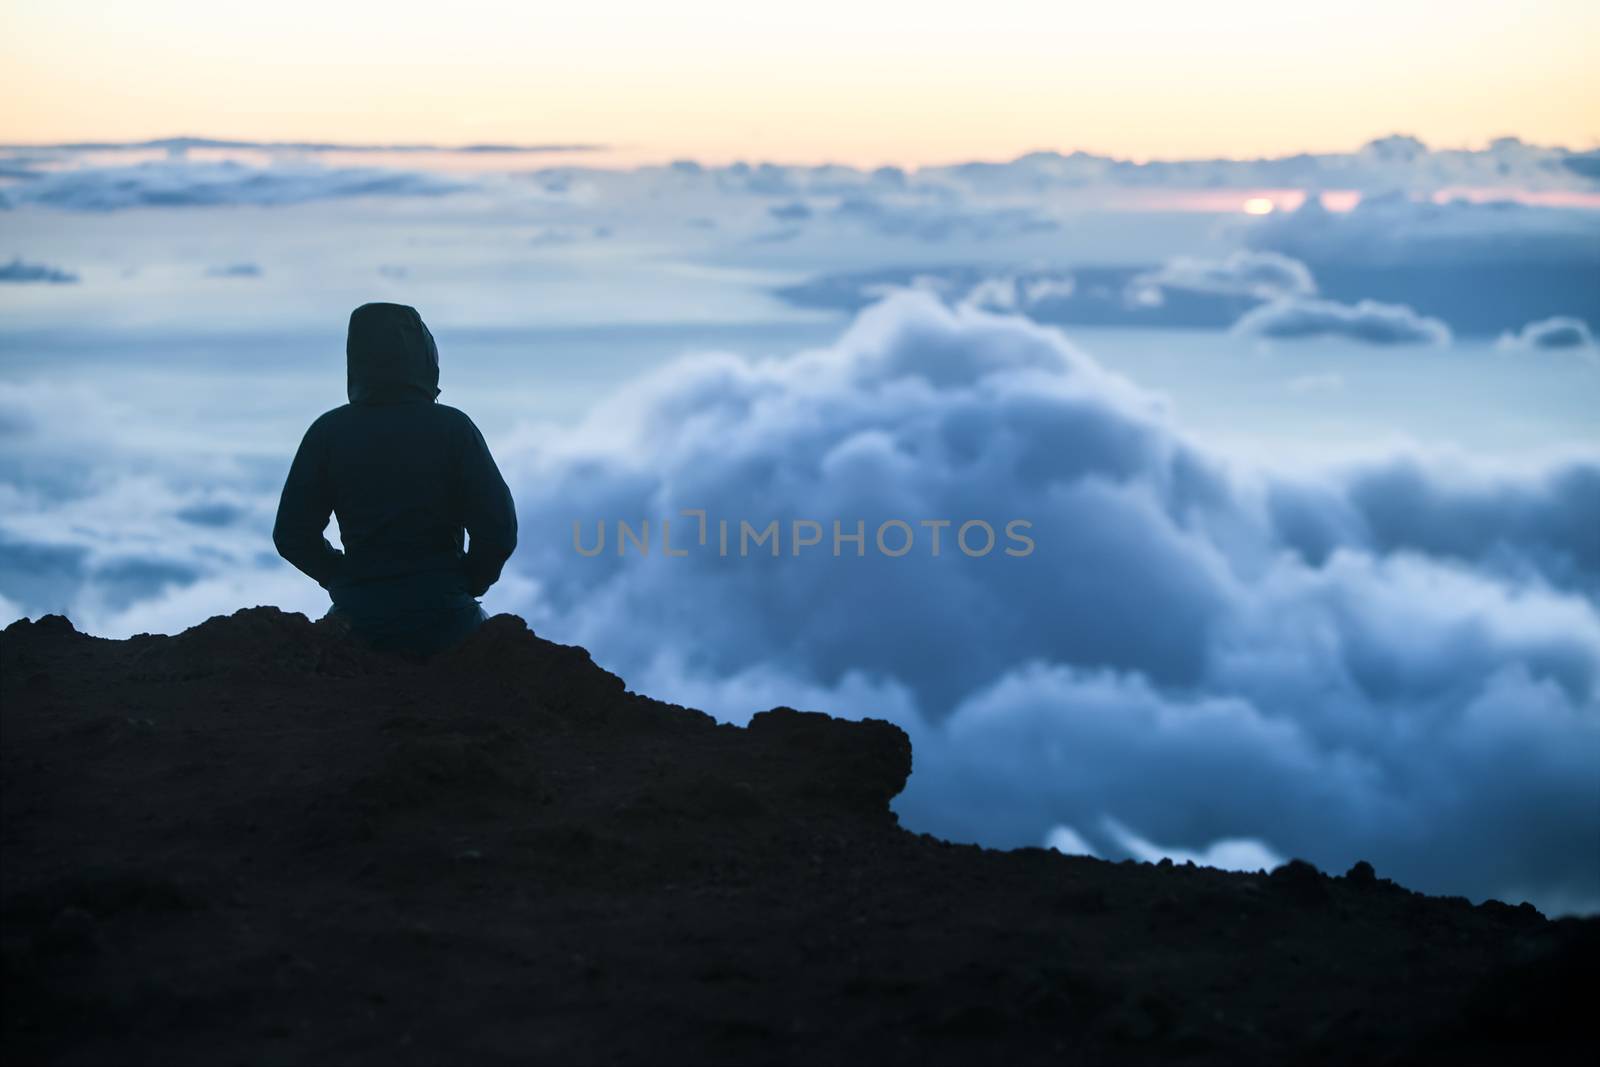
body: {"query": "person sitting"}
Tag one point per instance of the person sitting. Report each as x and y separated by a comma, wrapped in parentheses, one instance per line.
(406, 477)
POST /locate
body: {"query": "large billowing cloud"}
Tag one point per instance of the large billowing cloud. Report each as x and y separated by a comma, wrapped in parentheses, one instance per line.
(1398, 662)
(1367, 321)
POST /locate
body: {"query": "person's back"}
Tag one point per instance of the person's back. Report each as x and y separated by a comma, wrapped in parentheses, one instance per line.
(406, 476)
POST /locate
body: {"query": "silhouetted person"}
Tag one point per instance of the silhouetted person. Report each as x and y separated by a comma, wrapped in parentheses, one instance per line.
(405, 476)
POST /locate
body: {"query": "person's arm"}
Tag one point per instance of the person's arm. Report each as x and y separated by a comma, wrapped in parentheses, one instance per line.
(488, 514)
(303, 512)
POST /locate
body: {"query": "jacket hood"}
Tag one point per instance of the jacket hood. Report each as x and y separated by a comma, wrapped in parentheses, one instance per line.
(390, 357)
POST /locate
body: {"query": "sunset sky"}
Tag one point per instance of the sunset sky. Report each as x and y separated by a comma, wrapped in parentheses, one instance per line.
(1298, 402)
(903, 83)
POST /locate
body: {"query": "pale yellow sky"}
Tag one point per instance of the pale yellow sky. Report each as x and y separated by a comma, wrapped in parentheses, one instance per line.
(856, 82)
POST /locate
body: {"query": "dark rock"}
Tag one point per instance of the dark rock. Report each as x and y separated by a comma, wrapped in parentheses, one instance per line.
(1299, 881)
(257, 827)
(1361, 874)
(73, 931)
(862, 764)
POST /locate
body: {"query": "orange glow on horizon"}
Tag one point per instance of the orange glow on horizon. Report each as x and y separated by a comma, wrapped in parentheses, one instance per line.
(890, 83)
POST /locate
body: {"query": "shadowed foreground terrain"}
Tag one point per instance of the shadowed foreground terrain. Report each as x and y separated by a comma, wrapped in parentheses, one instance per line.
(253, 842)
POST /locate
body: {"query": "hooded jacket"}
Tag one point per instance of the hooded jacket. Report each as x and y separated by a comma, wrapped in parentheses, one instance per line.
(406, 476)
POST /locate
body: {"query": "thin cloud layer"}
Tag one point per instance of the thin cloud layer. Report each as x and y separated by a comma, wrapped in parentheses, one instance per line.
(1262, 275)
(1370, 322)
(936, 221)
(21, 272)
(1561, 331)
(1387, 164)
(181, 145)
(180, 183)
(234, 270)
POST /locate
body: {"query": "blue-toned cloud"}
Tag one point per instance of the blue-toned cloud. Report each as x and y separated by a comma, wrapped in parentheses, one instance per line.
(1515, 526)
(1370, 322)
(1394, 661)
(180, 183)
(1399, 661)
(1261, 275)
(931, 221)
(127, 522)
(21, 272)
(1480, 269)
(234, 270)
(794, 211)
(1389, 164)
(1196, 293)
(1484, 268)
(1186, 291)
(1228, 854)
(1560, 331)
(1394, 230)
(1587, 164)
(557, 236)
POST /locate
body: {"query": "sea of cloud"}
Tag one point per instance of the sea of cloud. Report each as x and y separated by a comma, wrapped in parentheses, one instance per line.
(1396, 659)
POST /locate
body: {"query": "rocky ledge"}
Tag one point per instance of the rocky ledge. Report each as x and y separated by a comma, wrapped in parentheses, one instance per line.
(256, 842)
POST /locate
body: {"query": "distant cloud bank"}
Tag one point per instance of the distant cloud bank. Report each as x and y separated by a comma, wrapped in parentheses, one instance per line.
(180, 145)
(1413, 238)
(177, 183)
(1398, 230)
